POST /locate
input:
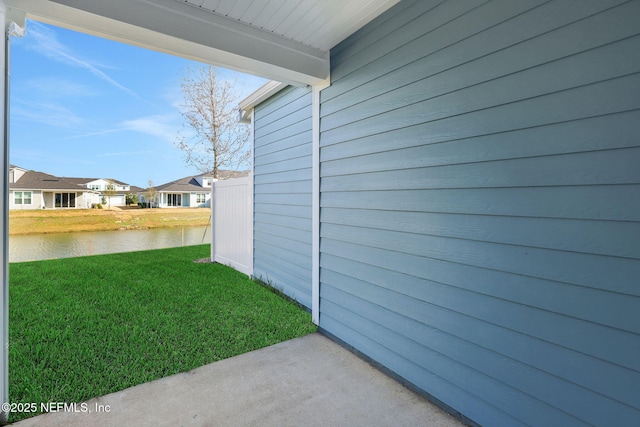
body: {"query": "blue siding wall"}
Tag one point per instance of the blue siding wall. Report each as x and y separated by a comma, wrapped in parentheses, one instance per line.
(282, 197)
(480, 205)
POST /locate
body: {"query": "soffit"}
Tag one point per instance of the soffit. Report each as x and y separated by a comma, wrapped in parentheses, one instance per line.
(320, 24)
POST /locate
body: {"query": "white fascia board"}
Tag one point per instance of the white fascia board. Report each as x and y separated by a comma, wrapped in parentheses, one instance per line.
(183, 30)
(315, 200)
(263, 93)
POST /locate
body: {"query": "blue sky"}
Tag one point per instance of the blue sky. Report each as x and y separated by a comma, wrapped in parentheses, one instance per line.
(83, 106)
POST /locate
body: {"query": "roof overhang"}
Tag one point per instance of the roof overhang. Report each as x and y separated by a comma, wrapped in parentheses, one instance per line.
(180, 29)
(256, 37)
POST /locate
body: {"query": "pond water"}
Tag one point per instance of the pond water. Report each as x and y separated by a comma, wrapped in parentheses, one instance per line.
(66, 245)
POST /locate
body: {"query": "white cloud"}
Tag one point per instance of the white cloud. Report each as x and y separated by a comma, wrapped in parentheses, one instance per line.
(51, 114)
(126, 153)
(47, 44)
(159, 125)
(55, 88)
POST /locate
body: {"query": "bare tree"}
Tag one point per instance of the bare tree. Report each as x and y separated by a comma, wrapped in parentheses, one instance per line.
(109, 191)
(150, 195)
(219, 141)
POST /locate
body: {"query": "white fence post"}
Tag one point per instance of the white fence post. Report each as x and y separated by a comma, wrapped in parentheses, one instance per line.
(232, 223)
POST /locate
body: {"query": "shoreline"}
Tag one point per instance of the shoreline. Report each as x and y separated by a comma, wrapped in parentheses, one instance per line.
(43, 233)
(35, 222)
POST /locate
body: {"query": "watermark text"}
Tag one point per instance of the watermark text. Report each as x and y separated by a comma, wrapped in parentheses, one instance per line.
(31, 407)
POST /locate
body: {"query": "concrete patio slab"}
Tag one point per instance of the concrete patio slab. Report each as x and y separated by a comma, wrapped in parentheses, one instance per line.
(310, 381)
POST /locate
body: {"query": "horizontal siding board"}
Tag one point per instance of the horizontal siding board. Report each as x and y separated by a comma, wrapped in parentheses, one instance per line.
(399, 179)
(444, 25)
(301, 127)
(284, 199)
(541, 79)
(283, 113)
(599, 272)
(389, 35)
(282, 104)
(295, 263)
(283, 221)
(617, 95)
(619, 239)
(622, 347)
(276, 266)
(295, 211)
(405, 169)
(302, 236)
(282, 188)
(290, 121)
(300, 151)
(294, 187)
(571, 301)
(266, 147)
(552, 139)
(577, 367)
(282, 274)
(291, 288)
(283, 177)
(474, 35)
(361, 318)
(561, 42)
(463, 322)
(381, 27)
(282, 279)
(553, 392)
(446, 392)
(613, 203)
(279, 274)
(275, 269)
(283, 165)
(284, 243)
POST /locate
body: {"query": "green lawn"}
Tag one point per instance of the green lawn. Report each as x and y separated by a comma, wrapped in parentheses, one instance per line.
(84, 327)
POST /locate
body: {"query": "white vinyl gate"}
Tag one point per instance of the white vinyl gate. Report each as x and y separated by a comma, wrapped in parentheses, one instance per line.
(232, 223)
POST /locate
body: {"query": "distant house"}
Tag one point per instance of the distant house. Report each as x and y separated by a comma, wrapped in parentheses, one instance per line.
(37, 190)
(136, 191)
(188, 192)
(101, 185)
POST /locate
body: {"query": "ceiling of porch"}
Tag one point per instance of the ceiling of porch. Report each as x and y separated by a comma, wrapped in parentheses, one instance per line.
(285, 40)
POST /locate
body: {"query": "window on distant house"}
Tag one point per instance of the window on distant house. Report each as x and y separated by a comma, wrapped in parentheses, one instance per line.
(201, 198)
(22, 198)
(65, 200)
(174, 199)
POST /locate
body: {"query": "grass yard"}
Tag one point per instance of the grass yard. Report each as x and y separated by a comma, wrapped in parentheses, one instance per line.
(84, 327)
